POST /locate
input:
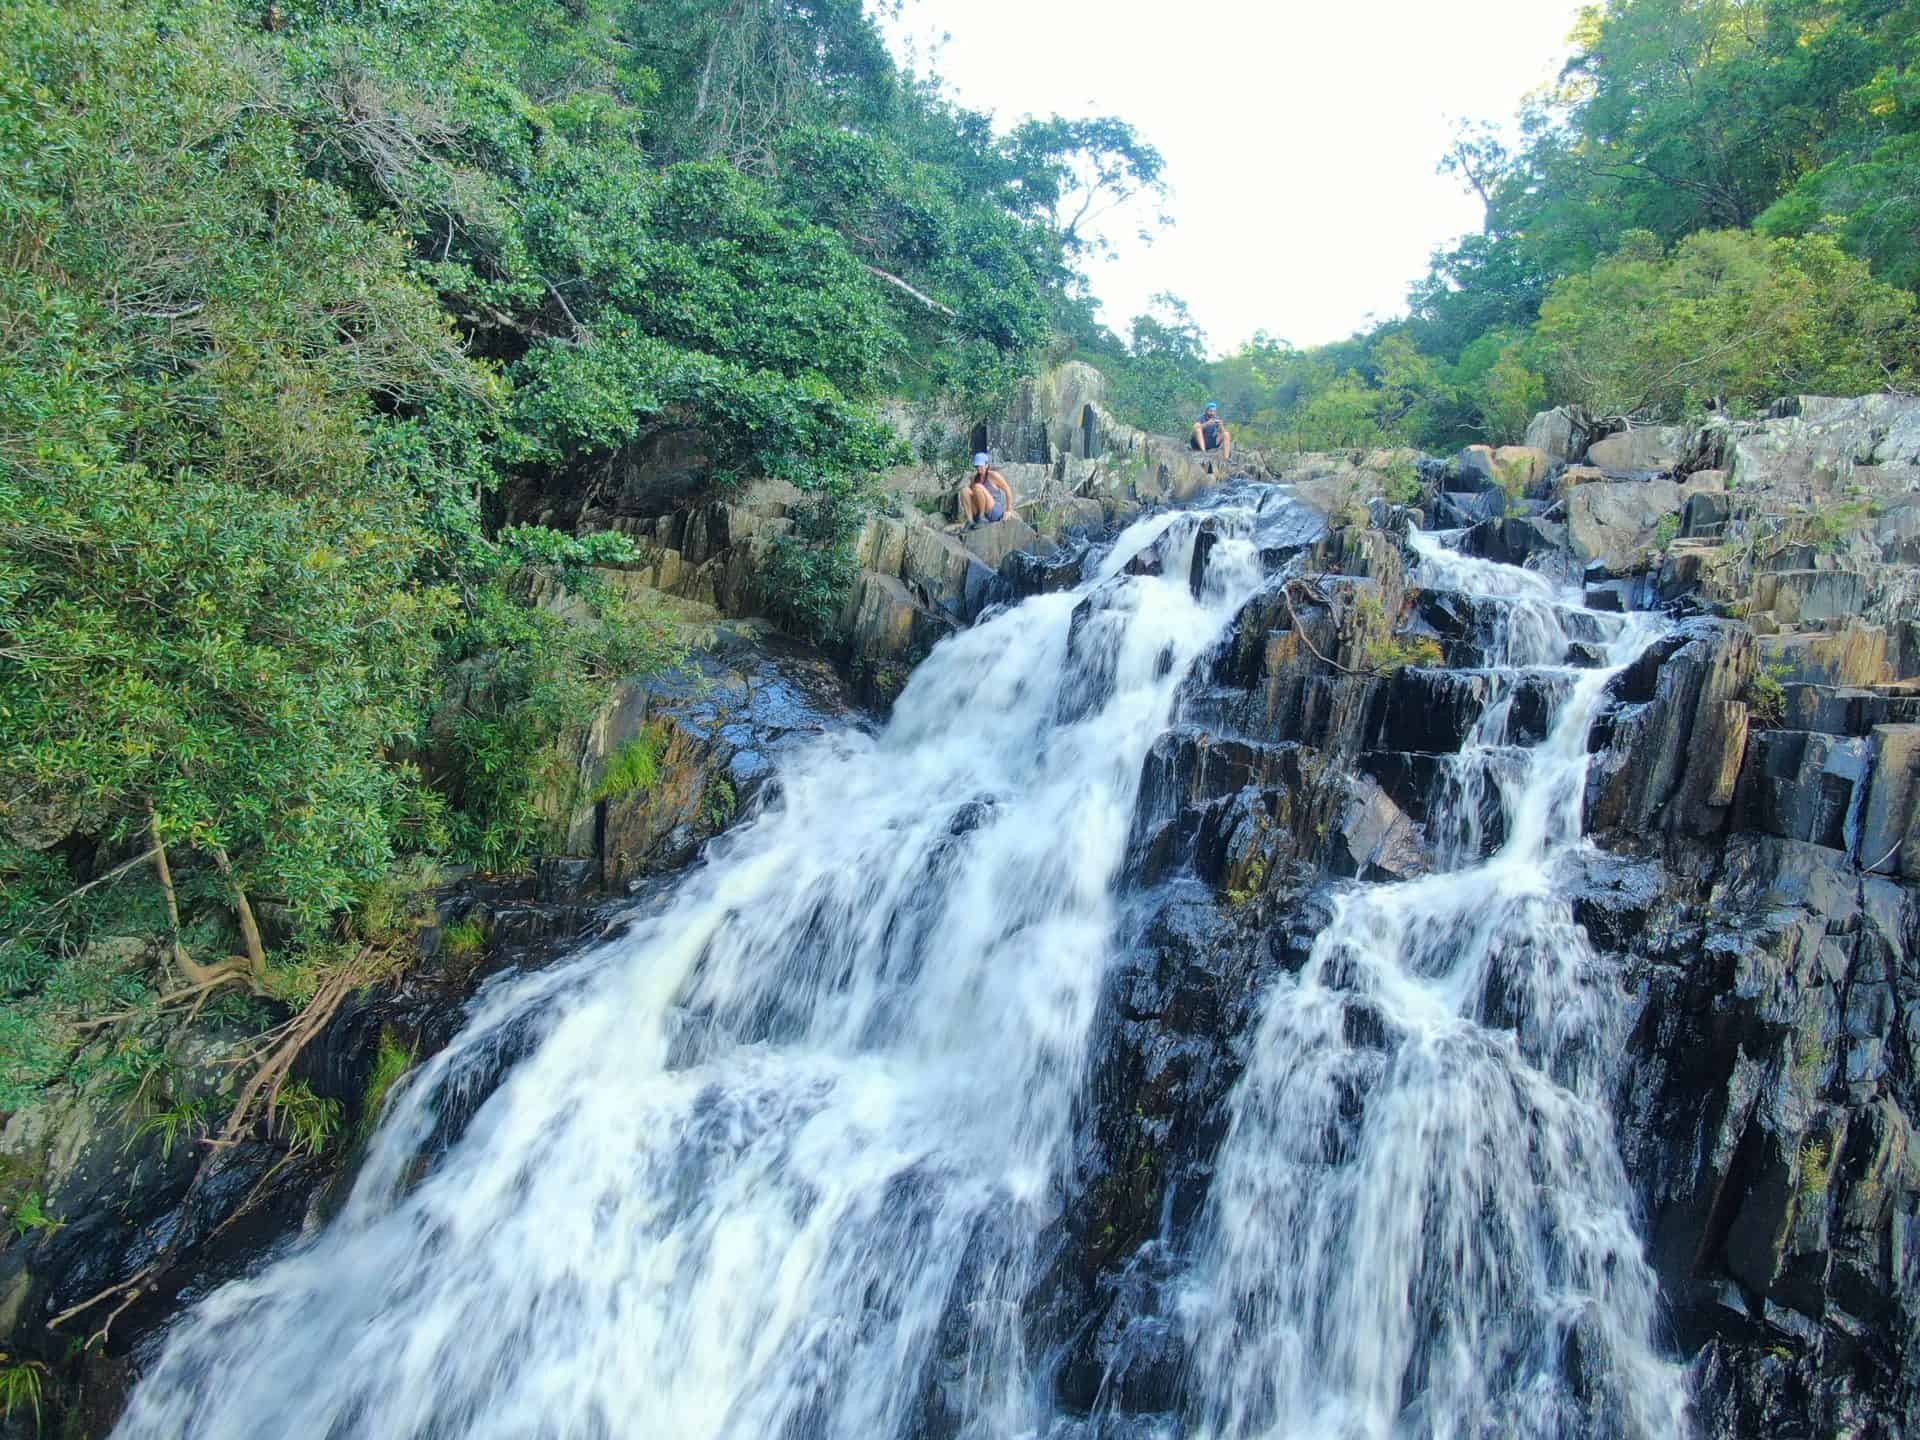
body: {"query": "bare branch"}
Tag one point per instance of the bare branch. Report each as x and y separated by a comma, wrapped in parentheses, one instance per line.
(896, 281)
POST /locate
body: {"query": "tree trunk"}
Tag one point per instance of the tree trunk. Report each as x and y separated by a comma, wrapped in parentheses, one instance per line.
(249, 930)
(196, 974)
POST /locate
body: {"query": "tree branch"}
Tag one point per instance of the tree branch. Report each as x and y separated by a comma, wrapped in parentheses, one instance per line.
(898, 283)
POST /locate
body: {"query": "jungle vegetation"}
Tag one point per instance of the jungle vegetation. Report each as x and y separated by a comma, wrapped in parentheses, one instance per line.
(290, 292)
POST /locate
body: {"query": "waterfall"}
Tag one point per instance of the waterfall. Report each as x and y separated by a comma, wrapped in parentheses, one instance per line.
(1420, 1224)
(772, 1164)
(775, 1163)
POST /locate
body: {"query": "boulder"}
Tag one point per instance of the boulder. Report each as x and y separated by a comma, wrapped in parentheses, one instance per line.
(1652, 447)
(887, 623)
(1855, 656)
(1614, 521)
(1476, 468)
(1827, 446)
(1060, 412)
(991, 544)
(1802, 785)
(1810, 597)
(1676, 731)
(1826, 709)
(1373, 839)
(1556, 434)
(1705, 515)
(1520, 467)
(1517, 540)
(947, 574)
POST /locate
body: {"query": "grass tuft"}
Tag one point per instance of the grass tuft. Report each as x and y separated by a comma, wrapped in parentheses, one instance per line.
(391, 1061)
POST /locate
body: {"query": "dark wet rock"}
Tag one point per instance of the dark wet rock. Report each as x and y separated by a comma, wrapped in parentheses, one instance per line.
(1536, 702)
(1586, 656)
(1705, 515)
(1803, 785)
(1179, 1010)
(1670, 745)
(1610, 596)
(1829, 710)
(1519, 540)
(715, 728)
(1409, 778)
(1025, 574)
(1431, 710)
(1772, 1139)
(1464, 625)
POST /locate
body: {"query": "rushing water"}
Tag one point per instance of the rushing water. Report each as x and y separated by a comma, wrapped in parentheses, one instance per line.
(766, 1152)
(772, 1166)
(1420, 1225)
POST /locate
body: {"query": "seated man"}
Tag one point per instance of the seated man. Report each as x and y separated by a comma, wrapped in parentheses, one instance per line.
(987, 497)
(1209, 433)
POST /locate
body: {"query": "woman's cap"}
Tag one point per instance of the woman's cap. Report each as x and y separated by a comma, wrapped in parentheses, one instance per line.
(982, 458)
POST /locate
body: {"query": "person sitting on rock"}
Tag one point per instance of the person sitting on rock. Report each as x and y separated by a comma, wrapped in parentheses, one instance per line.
(1210, 432)
(987, 498)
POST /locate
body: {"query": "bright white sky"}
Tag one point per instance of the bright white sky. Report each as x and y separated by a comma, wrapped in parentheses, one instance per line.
(1300, 135)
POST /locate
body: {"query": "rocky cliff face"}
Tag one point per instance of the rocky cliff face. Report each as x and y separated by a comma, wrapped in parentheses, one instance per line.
(1751, 805)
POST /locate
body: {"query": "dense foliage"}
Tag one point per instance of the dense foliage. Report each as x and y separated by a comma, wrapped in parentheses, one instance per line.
(290, 294)
(1625, 262)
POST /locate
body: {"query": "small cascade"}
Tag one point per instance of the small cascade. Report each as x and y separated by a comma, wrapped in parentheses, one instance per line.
(1420, 1225)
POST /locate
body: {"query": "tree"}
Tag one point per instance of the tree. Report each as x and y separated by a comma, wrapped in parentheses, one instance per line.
(1729, 319)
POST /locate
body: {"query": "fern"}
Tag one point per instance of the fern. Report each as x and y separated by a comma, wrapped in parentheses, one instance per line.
(30, 1217)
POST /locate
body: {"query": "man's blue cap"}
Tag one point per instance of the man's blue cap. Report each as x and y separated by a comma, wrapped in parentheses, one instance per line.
(1213, 404)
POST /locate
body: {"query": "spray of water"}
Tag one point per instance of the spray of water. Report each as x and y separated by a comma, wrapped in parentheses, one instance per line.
(1420, 1225)
(772, 1164)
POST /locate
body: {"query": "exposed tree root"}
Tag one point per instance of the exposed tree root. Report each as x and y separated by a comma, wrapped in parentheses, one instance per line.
(273, 1062)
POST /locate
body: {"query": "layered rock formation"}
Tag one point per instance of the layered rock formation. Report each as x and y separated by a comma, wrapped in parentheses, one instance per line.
(1752, 799)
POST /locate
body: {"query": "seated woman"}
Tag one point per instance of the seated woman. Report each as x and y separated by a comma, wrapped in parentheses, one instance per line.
(987, 497)
(1210, 433)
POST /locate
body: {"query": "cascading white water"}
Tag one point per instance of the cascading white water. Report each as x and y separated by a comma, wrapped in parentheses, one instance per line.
(1420, 1225)
(780, 1154)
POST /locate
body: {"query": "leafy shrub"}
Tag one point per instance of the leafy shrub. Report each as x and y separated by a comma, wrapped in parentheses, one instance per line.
(1766, 696)
(720, 803)
(1727, 318)
(464, 938)
(30, 1217)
